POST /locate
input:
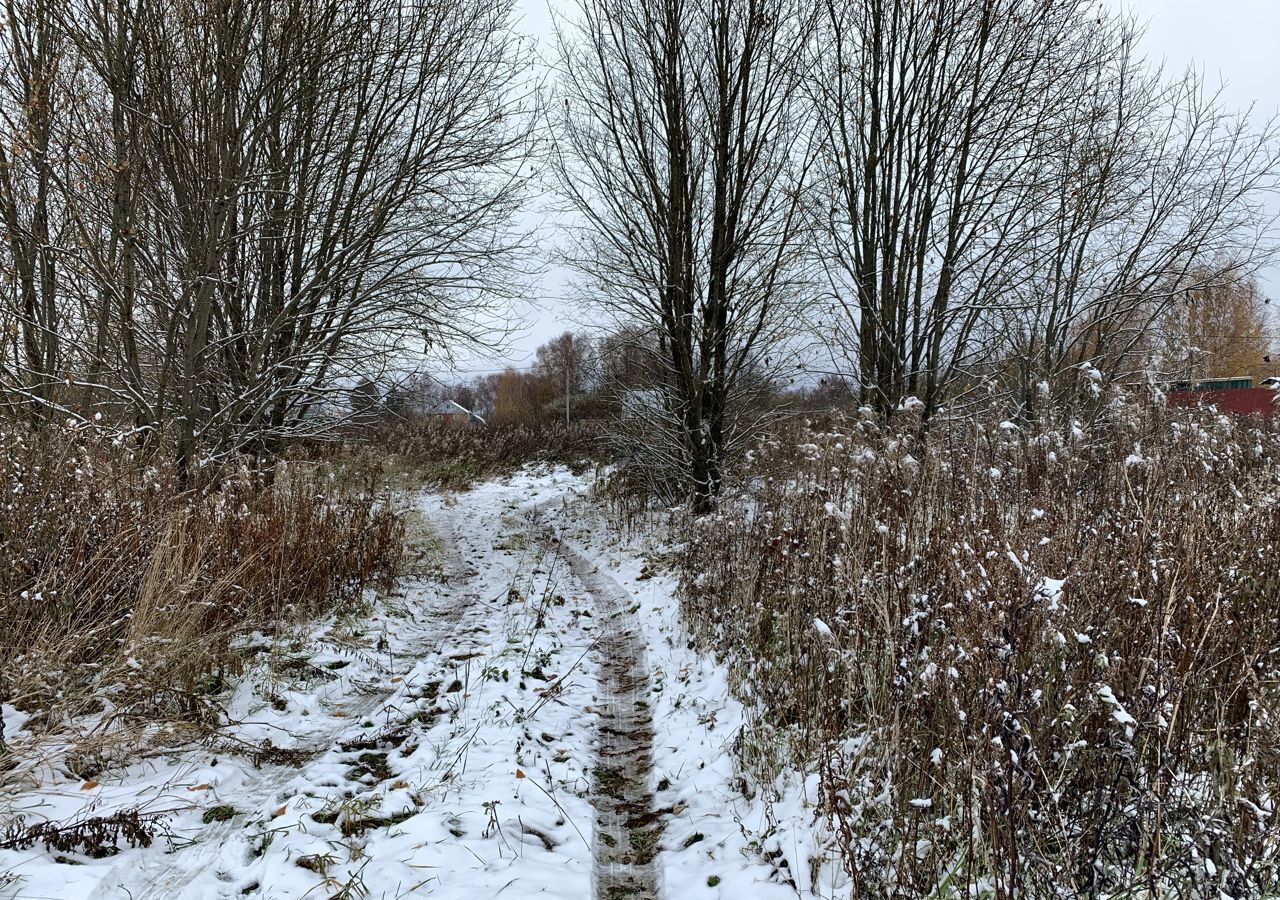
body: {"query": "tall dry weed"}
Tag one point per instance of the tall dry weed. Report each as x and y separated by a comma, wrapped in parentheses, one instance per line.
(456, 457)
(117, 588)
(1033, 662)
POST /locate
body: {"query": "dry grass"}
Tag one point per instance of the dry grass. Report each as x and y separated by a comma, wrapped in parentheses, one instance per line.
(456, 457)
(117, 588)
(888, 602)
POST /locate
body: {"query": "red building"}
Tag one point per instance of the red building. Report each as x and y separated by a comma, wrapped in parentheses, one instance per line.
(1230, 395)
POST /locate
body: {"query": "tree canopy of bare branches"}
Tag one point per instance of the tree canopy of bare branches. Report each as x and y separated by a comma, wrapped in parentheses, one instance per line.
(219, 214)
(681, 147)
(1005, 186)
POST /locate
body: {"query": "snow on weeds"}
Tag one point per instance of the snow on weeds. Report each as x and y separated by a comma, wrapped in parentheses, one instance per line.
(438, 743)
(1046, 659)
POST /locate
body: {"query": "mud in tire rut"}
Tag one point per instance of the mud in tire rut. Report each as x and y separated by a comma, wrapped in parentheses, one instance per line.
(628, 829)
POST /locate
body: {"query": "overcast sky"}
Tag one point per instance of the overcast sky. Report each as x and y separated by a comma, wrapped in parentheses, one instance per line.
(1234, 42)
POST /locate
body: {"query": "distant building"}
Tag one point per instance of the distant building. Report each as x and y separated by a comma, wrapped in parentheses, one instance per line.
(1229, 395)
(452, 414)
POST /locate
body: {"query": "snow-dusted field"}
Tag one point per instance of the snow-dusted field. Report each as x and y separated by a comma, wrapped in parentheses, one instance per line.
(445, 745)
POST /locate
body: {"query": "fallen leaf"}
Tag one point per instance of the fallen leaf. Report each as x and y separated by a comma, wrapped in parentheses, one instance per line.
(519, 774)
(198, 787)
(88, 785)
(397, 680)
(280, 812)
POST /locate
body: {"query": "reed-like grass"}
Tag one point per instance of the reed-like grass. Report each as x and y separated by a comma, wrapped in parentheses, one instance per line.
(1025, 661)
(117, 587)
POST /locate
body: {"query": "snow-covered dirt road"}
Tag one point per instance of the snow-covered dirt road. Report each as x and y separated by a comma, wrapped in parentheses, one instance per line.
(522, 718)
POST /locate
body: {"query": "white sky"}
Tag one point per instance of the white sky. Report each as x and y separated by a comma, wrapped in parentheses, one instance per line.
(1234, 42)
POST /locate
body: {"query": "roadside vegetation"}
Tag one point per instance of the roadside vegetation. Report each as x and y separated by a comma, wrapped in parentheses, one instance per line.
(415, 453)
(122, 591)
(889, 300)
(126, 590)
(1022, 660)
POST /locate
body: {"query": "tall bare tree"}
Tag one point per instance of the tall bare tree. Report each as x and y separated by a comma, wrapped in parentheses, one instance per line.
(261, 201)
(1150, 193)
(1004, 180)
(32, 103)
(567, 363)
(681, 147)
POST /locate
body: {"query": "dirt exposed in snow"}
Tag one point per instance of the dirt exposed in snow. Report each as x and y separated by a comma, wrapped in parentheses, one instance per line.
(174, 874)
(522, 719)
(628, 828)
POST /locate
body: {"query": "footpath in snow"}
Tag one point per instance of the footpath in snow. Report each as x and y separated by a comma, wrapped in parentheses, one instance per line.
(522, 718)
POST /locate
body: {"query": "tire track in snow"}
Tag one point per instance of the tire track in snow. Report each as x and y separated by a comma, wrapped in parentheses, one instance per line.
(628, 828)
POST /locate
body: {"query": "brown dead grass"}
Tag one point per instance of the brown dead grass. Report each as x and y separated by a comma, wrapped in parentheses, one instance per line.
(413, 454)
(975, 733)
(117, 587)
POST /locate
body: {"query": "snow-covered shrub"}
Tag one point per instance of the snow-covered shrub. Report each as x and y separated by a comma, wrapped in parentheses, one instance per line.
(1033, 661)
(117, 587)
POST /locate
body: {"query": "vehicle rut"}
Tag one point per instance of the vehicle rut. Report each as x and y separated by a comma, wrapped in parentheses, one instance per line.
(628, 828)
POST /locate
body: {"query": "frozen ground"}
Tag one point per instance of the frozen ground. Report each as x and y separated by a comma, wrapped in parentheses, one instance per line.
(523, 718)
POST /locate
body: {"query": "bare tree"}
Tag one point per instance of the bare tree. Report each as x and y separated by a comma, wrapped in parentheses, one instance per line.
(1149, 195)
(567, 363)
(628, 360)
(102, 188)
(681, 146)
(263, 201)
(1004, 182)
(31, 105)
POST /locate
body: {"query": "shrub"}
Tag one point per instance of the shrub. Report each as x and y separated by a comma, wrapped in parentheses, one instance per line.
(455, 457)
(115, 583)
(1024, 661)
